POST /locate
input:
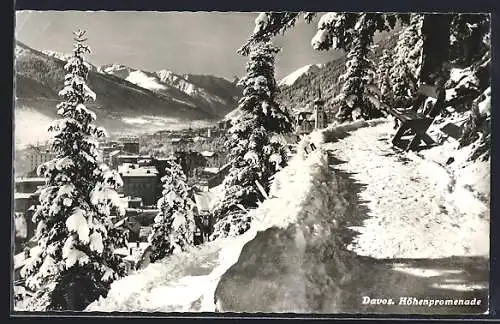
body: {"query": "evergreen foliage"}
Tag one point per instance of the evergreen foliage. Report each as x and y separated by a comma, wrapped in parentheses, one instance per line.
(407, 62)
(73, 262)
(174, 226)
(354, 32)
(383, 76)
(255, 152)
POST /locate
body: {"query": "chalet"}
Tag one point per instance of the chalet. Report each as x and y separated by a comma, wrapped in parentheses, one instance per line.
(307, 120)
(303, 123)
(212, 159)
(135, 219)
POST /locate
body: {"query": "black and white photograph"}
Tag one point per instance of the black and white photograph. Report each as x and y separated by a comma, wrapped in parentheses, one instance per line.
(271, 162)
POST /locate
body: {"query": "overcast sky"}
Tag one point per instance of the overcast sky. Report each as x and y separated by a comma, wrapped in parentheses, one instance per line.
(184, 42)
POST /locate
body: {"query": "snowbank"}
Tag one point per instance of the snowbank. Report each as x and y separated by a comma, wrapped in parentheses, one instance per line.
(296, 250)
(171, 285)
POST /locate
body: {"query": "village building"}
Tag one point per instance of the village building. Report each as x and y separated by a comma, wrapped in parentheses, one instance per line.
(127, 158)
(212, 158)
(29, 185)
(37, 155)
(307, 119)
(139, 182)
(130, 144)
(224, 125)
(303, 123)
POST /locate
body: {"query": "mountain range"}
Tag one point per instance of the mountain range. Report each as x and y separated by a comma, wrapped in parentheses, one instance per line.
(128, 99)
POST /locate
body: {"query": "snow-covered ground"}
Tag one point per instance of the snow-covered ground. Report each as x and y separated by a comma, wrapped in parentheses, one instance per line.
(414, 210)
(179, 283)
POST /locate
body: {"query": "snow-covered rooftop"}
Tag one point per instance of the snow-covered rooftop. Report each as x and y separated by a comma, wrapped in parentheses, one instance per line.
(19, 260)
(211, 170)
(207, 153)
(34, 179)
(133, 170)
(128, 156)
(22, 195)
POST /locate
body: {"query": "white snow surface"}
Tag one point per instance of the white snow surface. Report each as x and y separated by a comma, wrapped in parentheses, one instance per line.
(77, 223)
(295, 75)
(417, 207)
(143, 80)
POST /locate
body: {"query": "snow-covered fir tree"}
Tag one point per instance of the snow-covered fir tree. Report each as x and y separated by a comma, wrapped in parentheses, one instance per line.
(467, 37)
(73, 263)
(404, 74)
(255, 151)
(174, 225)
(355, 33)
(383, 76)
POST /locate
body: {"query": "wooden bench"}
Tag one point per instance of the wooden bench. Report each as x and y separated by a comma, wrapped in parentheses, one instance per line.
(417, 123)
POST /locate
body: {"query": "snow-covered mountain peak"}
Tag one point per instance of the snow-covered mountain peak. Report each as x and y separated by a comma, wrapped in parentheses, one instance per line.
(112, 68)
(166, 75)
(295, 75)
(143, 80)
(58, 55)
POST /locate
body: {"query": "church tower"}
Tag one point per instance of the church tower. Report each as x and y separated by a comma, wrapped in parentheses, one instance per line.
(319, 112)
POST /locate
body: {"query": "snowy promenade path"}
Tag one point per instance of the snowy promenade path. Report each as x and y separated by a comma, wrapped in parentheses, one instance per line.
(404, 201)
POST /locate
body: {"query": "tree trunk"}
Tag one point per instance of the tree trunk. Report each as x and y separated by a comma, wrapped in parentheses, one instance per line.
(436, 43)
